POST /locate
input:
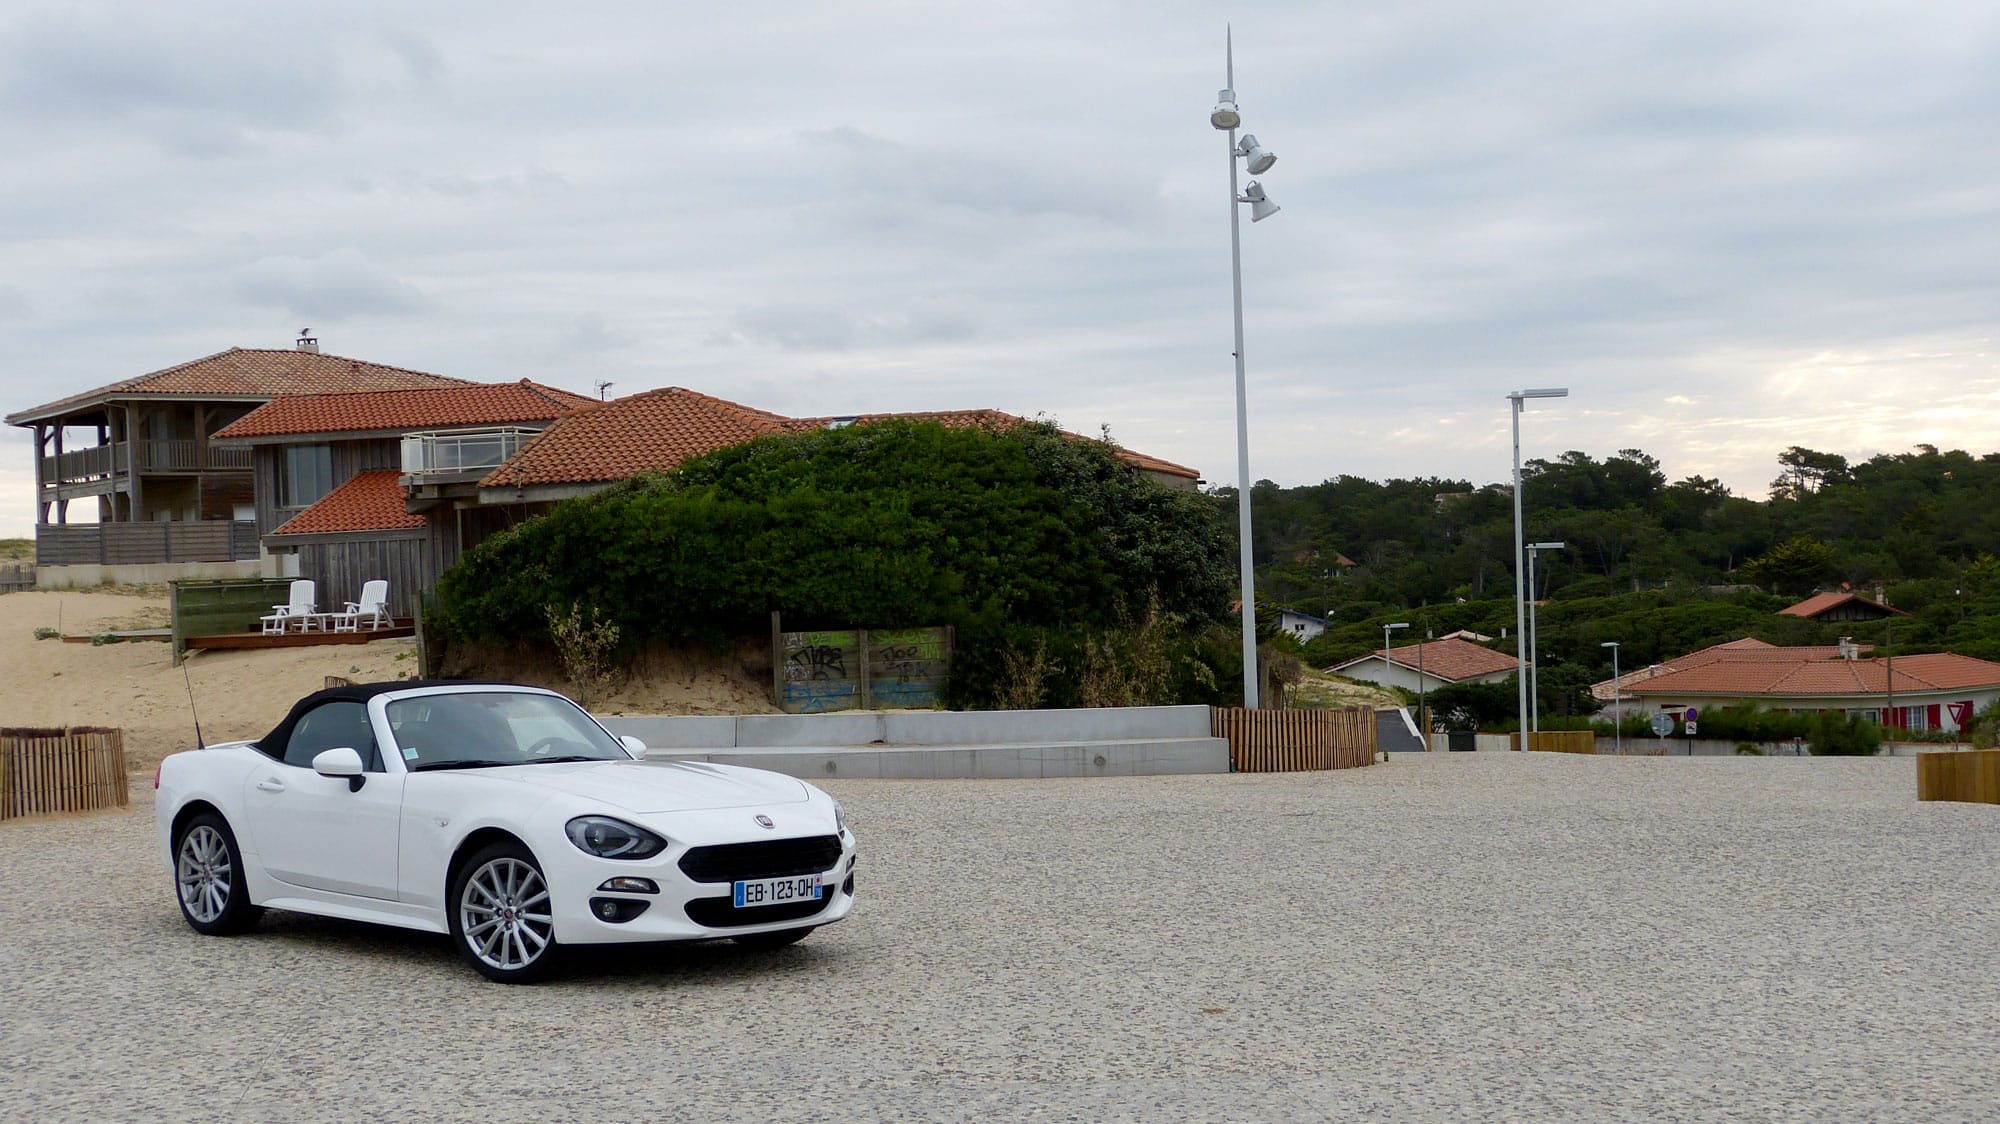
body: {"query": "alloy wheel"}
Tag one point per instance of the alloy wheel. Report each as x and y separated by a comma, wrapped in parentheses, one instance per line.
(504, 914)
(205, 874)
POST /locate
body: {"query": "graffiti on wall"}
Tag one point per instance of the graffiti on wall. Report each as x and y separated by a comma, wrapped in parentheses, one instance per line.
(857, 669)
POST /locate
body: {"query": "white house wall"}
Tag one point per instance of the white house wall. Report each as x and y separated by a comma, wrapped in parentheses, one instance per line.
(1372, 670)
(1980, 698)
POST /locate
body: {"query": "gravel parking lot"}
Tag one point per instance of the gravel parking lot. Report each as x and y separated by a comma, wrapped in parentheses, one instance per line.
(1469, 936)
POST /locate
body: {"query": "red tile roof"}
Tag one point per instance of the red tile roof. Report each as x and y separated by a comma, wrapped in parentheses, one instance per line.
(1809, 675)
(474, 404)
(649, 432)
(1451, 659)
(656, 430)
(371, 501)
(1822, 602)
(1746, 650)
(246, 373)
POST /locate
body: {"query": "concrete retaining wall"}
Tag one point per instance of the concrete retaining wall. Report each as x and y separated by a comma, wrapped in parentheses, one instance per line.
(1108, 741)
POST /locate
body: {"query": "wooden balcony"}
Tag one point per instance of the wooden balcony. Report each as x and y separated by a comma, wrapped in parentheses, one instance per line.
(101, 462)
(139, 544)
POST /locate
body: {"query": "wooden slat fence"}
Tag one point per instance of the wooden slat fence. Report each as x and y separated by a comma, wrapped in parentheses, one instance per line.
(61, 770)
(1286, 741)
(1559, 741)
(1972, 776)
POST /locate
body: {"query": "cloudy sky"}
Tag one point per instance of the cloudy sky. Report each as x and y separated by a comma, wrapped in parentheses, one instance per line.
(1727, 228)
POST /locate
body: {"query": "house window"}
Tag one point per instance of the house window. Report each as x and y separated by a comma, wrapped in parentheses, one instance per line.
(305, 474)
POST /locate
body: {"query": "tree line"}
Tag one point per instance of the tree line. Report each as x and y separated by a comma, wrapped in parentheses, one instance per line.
(1661, 568)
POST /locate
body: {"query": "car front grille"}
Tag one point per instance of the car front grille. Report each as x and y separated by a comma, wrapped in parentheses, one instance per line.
(769, 858)
(721, 913)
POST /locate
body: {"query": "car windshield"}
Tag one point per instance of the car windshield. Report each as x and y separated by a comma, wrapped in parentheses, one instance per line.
(479, 729)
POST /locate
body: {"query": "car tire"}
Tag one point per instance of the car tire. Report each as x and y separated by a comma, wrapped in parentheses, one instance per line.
(501, 919)
(769, 942)
(209, 878)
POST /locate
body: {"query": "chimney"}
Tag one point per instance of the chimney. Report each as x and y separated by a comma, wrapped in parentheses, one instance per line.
(308, 342)
(1848, 649)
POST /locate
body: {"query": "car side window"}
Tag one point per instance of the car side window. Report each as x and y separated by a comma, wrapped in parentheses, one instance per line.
(331, 726)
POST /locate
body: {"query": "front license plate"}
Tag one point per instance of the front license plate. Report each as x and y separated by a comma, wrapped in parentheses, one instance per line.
(777, 891)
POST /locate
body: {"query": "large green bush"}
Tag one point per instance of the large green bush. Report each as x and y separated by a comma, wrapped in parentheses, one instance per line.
(1002, 535)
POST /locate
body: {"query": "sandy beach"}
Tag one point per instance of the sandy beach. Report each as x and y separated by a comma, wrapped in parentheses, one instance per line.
(241, 694)
(136, 687)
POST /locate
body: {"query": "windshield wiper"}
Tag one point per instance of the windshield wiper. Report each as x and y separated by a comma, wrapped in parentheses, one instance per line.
(455, 764)
(561, 760)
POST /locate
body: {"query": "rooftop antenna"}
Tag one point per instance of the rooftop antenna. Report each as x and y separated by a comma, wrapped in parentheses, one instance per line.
(600, 388)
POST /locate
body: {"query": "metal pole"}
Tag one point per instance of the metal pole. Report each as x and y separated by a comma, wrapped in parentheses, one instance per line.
(1520, 606)
(1617, 706)
(1243, 431)
(1534, 653)
(1423, 708)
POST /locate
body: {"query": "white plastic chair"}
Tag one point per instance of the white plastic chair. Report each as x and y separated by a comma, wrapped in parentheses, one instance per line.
(299, 608)
(374, 605)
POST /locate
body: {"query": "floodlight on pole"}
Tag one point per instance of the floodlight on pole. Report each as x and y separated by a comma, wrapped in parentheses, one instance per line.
(1256, 160)
(1516, 398)
(1226, 117)
(1534, 638)
(1617, 700)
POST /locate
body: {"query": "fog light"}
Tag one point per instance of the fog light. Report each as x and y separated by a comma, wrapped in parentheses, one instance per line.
(617, 911)
(623, 885)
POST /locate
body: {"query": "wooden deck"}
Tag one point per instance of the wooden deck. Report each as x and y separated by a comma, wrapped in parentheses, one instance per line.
(300, 639)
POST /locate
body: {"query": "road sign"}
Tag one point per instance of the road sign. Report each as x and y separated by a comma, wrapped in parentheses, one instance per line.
(1663, 724)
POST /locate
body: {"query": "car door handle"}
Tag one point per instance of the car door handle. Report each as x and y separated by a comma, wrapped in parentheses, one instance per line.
(270, 784)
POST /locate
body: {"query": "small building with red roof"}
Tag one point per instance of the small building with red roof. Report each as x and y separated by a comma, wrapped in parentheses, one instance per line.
(1429, 665)
(1836, 608)
(1924, 691)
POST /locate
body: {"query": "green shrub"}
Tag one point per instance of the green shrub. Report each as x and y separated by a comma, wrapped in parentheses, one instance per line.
(1842, 735)
(1005, 537)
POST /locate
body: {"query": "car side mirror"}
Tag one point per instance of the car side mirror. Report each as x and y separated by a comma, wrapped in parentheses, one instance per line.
(340, 761)
(632, 745)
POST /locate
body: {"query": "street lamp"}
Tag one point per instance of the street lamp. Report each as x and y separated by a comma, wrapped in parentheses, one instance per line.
(1386, 629)
(1534, 636)
(1518, 397)
(1387, 663)
(1226, 118)
(1617, 700)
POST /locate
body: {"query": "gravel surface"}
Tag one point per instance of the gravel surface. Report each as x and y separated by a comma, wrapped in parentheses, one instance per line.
(1467, 936)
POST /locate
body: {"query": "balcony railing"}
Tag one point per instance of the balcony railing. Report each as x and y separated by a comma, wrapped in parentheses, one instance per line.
(462, 451)
(100, 462)
(211, 540)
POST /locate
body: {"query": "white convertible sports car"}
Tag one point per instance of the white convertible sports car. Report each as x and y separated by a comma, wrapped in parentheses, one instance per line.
(502, 815)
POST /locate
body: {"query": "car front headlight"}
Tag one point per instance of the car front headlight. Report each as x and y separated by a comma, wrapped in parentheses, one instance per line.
(839, 818)
(613, 839)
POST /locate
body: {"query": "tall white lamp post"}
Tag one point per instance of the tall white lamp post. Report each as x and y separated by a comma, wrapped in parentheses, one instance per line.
(1258, 160)
(1518, 397)
(1387, 663)
(1386, 630)
(1534, 638)
(1617, 700)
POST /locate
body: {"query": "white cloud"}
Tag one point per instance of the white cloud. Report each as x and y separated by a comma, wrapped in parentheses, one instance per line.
(1729, 229)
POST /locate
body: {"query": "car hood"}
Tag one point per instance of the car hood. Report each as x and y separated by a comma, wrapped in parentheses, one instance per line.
(662, 786)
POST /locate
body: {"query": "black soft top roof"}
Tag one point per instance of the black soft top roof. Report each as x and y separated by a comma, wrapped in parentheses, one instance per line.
(361, 693)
